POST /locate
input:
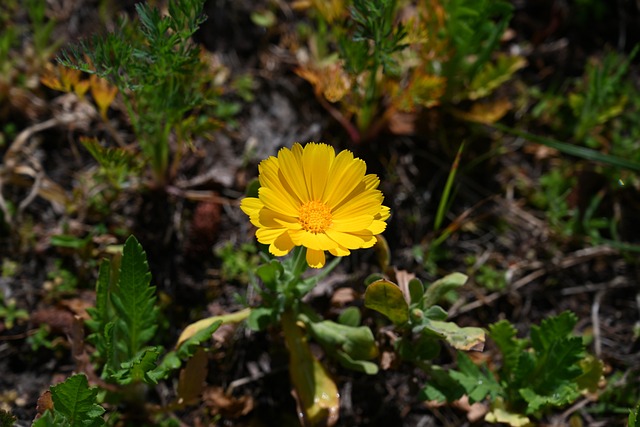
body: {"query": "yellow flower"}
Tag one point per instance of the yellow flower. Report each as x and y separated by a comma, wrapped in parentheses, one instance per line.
(314, 198)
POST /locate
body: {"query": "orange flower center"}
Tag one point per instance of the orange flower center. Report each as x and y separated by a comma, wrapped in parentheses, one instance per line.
(315, 216)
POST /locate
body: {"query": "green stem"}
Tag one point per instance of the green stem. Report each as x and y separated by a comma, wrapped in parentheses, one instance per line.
(298, 266)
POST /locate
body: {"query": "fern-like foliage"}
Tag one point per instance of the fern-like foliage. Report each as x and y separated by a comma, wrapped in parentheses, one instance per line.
(550, 369)
(134, 302)
(125, 318)
(156, 66)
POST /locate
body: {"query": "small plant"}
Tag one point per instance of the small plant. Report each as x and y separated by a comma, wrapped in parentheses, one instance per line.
(10, 313)
(124, 323)
(158, 69)
(549, 369)
(385, 65)
(237, 263)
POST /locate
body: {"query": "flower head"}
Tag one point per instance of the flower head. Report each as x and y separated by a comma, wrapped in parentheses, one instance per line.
(314, 198)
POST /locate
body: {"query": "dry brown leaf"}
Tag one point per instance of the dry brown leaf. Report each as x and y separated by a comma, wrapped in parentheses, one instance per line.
(191, 382)
(343, 296)
(227, 405)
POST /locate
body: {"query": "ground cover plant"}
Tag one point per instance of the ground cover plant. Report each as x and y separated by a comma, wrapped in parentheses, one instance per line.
(319, 213)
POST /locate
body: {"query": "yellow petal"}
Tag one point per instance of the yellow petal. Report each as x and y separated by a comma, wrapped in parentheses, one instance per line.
(276, 201)
(269, 235)
(340, 251)
(251, 205)
(282, 245)
(354, 223)
(347, 240)
(344, 176)
(371, 181)
(291, 168)
(272, 219)
(315, 259)
(384, 213)
(377, 227)
(366, 203)
(320, 241)
(316, 162)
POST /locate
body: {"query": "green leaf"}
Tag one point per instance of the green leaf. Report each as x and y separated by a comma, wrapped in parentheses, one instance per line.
(477, 383)
(438, 289)
(69, 241)
(260, 318)
(139, 368)
(350, 316)
(504, 334)
(435, 312)
(441, 387)
(134, 300)
(347, 343)
(188, 348)
(563, 395)
(270, 273)
(348, 362)
(387, 298)
(48, 420)
(74, 400)
(466, 339)
(420, 348)
(416, 291)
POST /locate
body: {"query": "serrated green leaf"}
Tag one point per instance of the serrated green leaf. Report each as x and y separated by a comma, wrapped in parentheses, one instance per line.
(504, 335)
(138, 369)
(48, 420)
(478, 384)
(77, 402)
(134, 300)
(441, 387)
(387, 299)
(552, 329)
(561, 396)
(439, 288)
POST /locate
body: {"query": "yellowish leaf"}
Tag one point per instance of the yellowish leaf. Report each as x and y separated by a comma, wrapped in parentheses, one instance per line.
(499, 414)
(316, 393)
(486, 112)
(193, 328)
